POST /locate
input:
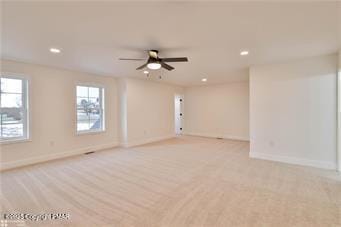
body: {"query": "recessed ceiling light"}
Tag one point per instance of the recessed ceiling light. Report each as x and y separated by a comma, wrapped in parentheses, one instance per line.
(203, 79)
(145, 72)
(54, 50)
(244, 52)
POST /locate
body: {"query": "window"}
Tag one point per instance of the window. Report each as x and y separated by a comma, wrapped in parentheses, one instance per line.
(90, 109)
(14, 108)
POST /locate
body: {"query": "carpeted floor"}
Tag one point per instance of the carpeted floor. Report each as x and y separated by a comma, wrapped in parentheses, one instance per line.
(185, 181)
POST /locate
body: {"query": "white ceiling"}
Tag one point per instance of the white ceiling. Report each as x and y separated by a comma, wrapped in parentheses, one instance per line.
(93, 35)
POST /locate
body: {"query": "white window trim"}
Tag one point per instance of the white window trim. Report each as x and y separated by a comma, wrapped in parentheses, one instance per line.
(103, 109)
(26, 104)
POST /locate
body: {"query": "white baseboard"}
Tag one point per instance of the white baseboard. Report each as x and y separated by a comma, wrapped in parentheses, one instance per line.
(54, 156)
(209, 135)
(294, 160)
(146, 140)
(49, 157)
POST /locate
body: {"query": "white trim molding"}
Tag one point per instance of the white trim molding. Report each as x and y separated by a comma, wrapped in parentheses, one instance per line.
(294, 160)
(209, 135)
(146, 141)
(54, 156)
(60, 155)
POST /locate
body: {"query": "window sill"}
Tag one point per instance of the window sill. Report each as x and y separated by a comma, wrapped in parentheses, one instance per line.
(14, 141)
(82, 133)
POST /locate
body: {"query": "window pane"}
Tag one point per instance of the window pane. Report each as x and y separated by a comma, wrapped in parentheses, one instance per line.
(11, 100)
(11, 85)
(82, 91)
(94, 101)
(94, 113)
(83, 125)
(89, 107)
(82, 115)
(94, 92)
(11, 115)
(13, 119)
(95, 124)
(82, 102)
(12, 130)
(92, 105)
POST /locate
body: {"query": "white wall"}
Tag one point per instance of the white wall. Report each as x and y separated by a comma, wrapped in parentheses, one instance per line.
(339, 31)
(218, 111)
(123, 121)
(339, 109)
(137, 112)
(150, 111)
(293, 111)
(52, 110)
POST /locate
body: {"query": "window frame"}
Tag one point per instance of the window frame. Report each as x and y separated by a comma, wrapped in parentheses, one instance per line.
(102, 109)
(25, 107)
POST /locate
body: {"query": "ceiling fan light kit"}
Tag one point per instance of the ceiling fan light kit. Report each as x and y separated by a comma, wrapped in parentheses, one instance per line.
(154, 65)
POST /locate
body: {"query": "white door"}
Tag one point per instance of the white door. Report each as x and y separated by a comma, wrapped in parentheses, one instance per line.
(178, 102)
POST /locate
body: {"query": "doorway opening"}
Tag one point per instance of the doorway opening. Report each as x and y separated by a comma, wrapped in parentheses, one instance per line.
(179, 115)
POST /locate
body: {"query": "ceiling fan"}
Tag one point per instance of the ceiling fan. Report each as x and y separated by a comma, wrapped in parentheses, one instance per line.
(155, 62)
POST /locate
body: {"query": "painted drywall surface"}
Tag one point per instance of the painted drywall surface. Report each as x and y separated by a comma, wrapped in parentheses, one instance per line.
(53, 116)
(339, 109)
(150, 111)
(122, 118)
(218, 110)
(293, 111)
(339, 23)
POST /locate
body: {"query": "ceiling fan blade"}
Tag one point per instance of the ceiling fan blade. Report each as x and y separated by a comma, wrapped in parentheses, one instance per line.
(183, 59)
(142, 66)
(166, 66)
(132, 59)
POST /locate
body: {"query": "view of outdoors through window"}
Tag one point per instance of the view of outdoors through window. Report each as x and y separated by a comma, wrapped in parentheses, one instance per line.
(13, 111)
(89, 108)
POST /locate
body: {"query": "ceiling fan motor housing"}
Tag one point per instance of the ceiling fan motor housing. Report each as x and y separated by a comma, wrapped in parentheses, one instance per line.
(154, 60)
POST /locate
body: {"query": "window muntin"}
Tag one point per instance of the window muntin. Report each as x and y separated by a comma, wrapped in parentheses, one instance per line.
(90, 109)
(13, 108)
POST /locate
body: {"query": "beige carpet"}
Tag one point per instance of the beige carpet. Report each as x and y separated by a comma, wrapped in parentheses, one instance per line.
(187, 181)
